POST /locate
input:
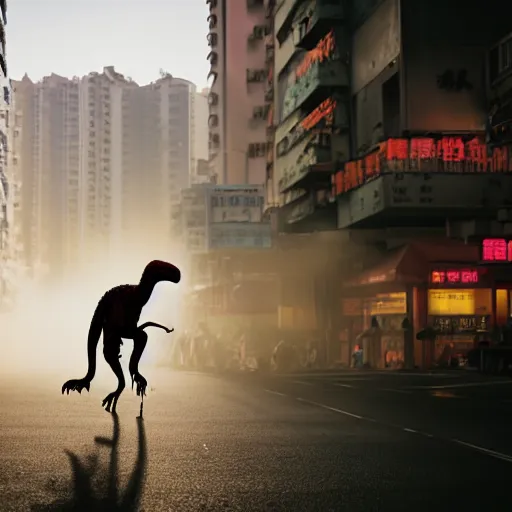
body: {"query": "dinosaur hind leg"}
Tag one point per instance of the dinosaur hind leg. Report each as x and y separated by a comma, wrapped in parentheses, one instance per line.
(112, 353)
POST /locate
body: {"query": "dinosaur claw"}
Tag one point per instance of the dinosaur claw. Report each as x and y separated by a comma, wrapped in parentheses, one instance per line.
(76, 385)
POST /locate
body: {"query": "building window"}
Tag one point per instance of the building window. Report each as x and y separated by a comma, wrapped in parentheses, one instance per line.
(256, 75)
(257, 150)
(506, 56)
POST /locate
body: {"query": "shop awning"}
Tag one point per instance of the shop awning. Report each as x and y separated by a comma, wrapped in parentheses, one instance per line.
(395, 267)
(410, 264)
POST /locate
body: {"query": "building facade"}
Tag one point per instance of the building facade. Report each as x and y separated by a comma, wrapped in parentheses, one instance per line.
(311, 108)
(101, 164)
(384, 127)
(201, 172)
(50, 169)
(238, 111)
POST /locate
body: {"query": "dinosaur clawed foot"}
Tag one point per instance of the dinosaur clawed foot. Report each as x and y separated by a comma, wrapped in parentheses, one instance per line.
(141, 383)
(110, 401)
(76, 385)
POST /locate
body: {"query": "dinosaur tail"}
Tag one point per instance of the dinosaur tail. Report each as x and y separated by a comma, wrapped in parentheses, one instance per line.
(94, 337)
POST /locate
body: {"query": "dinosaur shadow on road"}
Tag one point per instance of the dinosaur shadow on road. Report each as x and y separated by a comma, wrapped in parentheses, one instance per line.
(88, 473)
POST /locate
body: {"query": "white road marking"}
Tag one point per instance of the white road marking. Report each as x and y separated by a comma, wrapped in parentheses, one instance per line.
(352, 379)
(336, 375)
(369, 374)
(274, 392)
(343, 385)
(401, 391)
(333, 409)
(394, 373)
(492, 453)
(465, 385)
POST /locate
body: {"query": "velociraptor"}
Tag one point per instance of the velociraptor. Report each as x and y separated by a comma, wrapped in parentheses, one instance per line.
(117, 315)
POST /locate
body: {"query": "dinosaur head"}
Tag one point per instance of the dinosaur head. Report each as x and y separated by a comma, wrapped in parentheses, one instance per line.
(157, 271)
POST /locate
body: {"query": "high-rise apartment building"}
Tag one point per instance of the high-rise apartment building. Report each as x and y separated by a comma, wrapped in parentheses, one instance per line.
(24, 97)
(50, 168)
(142, 180)
(238, 110)
(178, 108)
(15, 203)
(201, 174)
(101, 164)
(165, 110)
(103, 160)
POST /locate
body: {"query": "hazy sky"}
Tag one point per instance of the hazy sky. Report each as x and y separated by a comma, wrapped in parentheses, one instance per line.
(138, 37)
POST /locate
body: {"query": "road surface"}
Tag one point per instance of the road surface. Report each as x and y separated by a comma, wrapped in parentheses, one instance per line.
(346, 441)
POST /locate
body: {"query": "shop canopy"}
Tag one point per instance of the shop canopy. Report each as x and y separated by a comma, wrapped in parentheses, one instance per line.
(410, 264)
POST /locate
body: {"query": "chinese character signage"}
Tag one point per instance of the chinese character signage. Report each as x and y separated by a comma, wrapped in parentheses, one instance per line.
(451, 302)
(460, 324)
(496, 250)
(423, 154)
(236, 203)
(389, 304)
(454, 277)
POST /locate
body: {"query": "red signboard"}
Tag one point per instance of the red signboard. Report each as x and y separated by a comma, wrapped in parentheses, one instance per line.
(454, 277)
(497, 250)
(323, 51)
(324, 111)
(424, 154)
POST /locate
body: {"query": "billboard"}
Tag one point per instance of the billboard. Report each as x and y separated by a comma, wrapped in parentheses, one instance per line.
(235, 203)
(235, 214)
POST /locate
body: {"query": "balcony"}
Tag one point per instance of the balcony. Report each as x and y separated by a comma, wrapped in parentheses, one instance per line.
(321, 73)
(315, 20)
(269, 53)
(500, 123)
(255, 4)
(308, 164)
(212, 21)
(321, 76)
(499, 62)
(423, 182)
(306, 212)
(212, 39)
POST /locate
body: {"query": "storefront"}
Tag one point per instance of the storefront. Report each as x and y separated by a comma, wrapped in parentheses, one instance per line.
(385, 294)
(496, 257)
(459, 307)
(410, 291)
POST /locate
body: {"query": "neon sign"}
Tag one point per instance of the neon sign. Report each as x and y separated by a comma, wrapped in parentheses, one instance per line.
(324, 111)
(323, 51)
(423, 154)
(465, 276)
(497, 250)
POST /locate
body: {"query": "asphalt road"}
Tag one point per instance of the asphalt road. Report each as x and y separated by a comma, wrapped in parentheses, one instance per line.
(350, 441)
